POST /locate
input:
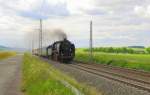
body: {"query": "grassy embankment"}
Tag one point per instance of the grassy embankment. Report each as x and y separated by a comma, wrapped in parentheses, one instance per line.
(40, 78)
(134, 61)
(6, 54)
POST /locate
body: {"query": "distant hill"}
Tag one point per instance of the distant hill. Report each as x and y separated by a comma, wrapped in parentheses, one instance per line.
(10, 48)
(136, 47)
(4, 48)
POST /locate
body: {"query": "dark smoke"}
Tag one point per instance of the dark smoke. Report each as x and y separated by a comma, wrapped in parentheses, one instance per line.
(59, 34)
(49, 37)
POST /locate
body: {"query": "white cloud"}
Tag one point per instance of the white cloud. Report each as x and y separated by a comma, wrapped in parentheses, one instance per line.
(122, 20)
(79, 7)
(20, 4)
(54, 2)
(143, 11)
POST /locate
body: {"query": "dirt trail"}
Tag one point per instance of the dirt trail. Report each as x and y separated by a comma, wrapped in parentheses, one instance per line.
(10, 76)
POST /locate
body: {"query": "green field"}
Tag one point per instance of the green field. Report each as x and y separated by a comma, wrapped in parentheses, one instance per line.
(134, 61)
(40, 78)
(6, 54)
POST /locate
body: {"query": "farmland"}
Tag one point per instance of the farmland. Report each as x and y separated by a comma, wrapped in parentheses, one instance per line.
(40, 78)
(134, 61)
(6, 54)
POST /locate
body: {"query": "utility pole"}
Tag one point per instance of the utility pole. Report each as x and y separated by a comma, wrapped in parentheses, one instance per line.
(91, 42)
(40, 38)
(33, 44)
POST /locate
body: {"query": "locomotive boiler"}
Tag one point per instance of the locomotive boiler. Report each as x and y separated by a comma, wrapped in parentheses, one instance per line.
(63, 51)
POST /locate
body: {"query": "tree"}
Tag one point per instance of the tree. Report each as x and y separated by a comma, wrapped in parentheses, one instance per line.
(148, 49)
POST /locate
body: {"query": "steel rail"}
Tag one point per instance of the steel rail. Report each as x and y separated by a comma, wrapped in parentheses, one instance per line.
(136, 84)
(139, 72)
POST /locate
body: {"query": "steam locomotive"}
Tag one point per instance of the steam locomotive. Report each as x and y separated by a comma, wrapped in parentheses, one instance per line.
(62, 51)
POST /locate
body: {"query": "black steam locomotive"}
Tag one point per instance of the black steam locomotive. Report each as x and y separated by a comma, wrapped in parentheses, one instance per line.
(63, 51)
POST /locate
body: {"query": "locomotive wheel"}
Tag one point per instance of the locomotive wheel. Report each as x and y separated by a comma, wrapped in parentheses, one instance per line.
(56, 57)
(52, 57)
(61, 59)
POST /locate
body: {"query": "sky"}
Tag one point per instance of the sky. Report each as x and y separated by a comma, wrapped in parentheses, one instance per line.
(115, 22)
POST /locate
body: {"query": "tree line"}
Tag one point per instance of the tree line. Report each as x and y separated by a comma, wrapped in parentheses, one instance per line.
(121, 50)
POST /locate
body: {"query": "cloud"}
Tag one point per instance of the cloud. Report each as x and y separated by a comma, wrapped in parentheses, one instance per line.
(46, 10)
(115, 22)
(142, 11)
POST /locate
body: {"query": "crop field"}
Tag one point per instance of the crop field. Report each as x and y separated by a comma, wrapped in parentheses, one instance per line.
(6, 54)
(40, 78)
(134, 61)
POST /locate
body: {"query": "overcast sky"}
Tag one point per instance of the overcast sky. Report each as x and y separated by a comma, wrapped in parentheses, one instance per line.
(115, 22)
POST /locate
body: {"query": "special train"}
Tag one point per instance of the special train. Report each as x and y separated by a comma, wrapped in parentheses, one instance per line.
(63, 51)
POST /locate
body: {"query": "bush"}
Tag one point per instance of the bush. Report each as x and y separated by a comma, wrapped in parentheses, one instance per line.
(148, 50)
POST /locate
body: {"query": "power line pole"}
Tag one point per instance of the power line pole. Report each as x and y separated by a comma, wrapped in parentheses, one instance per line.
(33, 44)
(40, 38)
(91, 42)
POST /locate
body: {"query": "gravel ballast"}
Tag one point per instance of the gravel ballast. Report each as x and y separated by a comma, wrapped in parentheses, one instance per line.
(106, 86)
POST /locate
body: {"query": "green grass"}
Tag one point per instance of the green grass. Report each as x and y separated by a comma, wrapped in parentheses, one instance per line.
(40, 78)
(6, 54)
(134, 61)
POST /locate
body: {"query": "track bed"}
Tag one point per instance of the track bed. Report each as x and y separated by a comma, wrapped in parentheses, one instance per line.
(109, 81)
(137, 79)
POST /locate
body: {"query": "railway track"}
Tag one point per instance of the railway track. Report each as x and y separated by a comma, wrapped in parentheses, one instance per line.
(132, 78)
(136, 74)
(135, 71)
